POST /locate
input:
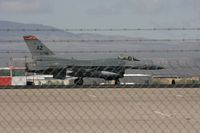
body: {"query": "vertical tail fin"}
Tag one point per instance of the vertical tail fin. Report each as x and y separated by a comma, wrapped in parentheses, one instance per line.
(36, 47)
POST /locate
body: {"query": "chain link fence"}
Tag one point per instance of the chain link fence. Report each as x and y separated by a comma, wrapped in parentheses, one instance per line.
(99, 110)
(141, 103)
(146, 91)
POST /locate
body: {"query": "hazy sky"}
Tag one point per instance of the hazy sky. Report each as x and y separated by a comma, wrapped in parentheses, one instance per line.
(103, 13)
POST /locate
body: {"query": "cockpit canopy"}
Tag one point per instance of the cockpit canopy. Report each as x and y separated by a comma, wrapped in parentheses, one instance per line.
(127, 58)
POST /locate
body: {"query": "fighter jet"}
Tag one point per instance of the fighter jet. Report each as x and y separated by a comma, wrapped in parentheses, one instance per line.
(45, 61)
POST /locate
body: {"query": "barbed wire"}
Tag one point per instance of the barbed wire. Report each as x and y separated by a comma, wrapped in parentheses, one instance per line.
(102, 29)
(93, 109)
(111, 51)
(109, 40)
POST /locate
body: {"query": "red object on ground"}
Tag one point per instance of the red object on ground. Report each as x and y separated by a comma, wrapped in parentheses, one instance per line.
(5, 81)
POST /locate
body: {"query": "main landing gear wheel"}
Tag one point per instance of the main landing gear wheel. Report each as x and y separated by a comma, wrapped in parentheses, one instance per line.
(78, 81)
(117, 82)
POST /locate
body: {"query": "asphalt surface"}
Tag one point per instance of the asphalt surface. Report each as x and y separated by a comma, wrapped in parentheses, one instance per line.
(100, 110)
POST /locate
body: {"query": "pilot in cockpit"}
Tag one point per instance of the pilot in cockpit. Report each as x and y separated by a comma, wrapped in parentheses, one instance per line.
(128, 58)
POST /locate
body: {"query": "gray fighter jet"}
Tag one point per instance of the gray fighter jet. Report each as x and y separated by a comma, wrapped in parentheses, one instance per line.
(46, 62)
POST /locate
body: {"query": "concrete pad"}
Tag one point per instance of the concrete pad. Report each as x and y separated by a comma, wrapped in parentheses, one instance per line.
(100, 110)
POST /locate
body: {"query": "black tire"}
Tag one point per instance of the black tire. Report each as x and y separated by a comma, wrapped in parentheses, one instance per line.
(78, 81)
(173, 82)
(29, 83)
(117, 82)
